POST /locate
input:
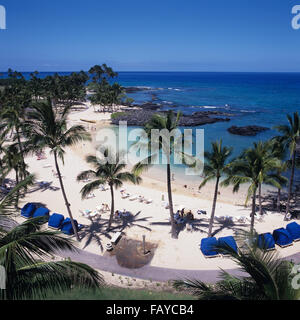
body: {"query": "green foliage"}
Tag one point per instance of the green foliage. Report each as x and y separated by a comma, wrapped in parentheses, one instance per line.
(216, 162)
(104, 93)
(110, 293)
(116, 115)
(267, 277)
(23, 251)
(111, 172)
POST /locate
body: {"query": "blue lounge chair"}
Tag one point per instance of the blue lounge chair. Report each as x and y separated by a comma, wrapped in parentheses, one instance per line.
(294, 230)
(228, 242)
(55, 221)
(28, 210)
(208, 247)
(282, 237)
(266, 241)
(67, 228)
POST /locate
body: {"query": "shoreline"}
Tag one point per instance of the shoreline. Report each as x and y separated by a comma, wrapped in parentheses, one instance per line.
(151, 220)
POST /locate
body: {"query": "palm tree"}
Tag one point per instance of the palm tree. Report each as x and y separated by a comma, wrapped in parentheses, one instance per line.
(48, 129)
(13, 161)
(169, 123)
(22, 253)
(6, 204)
(13, 120)
(278, 151)
(267, 277)
(23, 249)
(214, 167)
(254, 166)
(290, 137)
(112, 172)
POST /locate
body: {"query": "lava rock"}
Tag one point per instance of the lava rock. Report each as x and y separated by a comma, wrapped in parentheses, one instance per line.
(247, 130)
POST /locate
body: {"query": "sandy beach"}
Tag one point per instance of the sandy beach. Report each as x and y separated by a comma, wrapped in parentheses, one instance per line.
(151, 220)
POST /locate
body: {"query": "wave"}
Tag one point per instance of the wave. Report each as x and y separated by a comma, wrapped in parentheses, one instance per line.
(205, 107)
(175, 89)
(248, 111)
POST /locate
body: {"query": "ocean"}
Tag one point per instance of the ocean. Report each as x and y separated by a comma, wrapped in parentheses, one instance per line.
(252, 98)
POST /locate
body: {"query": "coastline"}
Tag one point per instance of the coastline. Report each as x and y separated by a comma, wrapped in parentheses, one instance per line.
(151, 220)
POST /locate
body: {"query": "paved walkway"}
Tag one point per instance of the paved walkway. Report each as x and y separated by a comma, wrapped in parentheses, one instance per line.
(110, 264)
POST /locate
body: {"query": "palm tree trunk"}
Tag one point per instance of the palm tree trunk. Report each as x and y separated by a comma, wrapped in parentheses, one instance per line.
(173, 227)
(278, 200)
(259, 199)
(290, 186)
(253, 211)
(212, 216)
(21, 151)
(17, 194)
(112, 209)
(65, 197)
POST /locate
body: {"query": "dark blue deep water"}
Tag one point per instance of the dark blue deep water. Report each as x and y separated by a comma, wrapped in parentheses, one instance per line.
(253, 98)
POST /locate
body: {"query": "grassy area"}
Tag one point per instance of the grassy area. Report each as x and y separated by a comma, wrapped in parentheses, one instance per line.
(116, 115)
(110, 293)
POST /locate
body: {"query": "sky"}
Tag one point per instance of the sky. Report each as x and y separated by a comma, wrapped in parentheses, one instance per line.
(156, 35)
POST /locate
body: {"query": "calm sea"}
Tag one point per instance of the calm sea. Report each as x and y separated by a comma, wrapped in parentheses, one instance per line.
(253, 98)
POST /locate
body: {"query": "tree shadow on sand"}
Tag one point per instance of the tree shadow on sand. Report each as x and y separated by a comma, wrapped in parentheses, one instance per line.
(132, 221)
(97, 229)
(269, 203)
(197, 225)
(229, 224)
(201, 225)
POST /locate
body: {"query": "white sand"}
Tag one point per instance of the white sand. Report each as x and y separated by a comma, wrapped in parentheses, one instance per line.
(183, 253)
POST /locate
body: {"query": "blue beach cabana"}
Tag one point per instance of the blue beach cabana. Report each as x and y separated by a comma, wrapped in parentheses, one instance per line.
(55, 221)
(282, 237)
(228, 242)
(266, 241)
(28, 210)
(41, 212)
(294, 230)
(67, 228)
(208, 247)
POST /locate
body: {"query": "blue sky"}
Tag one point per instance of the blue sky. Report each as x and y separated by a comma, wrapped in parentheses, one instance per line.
(140, 35)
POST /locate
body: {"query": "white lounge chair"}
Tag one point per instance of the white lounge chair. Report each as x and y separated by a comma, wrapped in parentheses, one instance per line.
(94, 214)
(141, 198)
(148, 201)
(134, 197)
(116, 237)
(85, 213)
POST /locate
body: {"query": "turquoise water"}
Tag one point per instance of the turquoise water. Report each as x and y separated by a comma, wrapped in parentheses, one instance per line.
(253, 98)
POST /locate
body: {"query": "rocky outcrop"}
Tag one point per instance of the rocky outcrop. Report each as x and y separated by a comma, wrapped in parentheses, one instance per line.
(247, 130)
(141, 116)
(137, 89)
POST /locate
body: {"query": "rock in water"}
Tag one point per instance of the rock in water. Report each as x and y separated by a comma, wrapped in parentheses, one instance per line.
(247, 130)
